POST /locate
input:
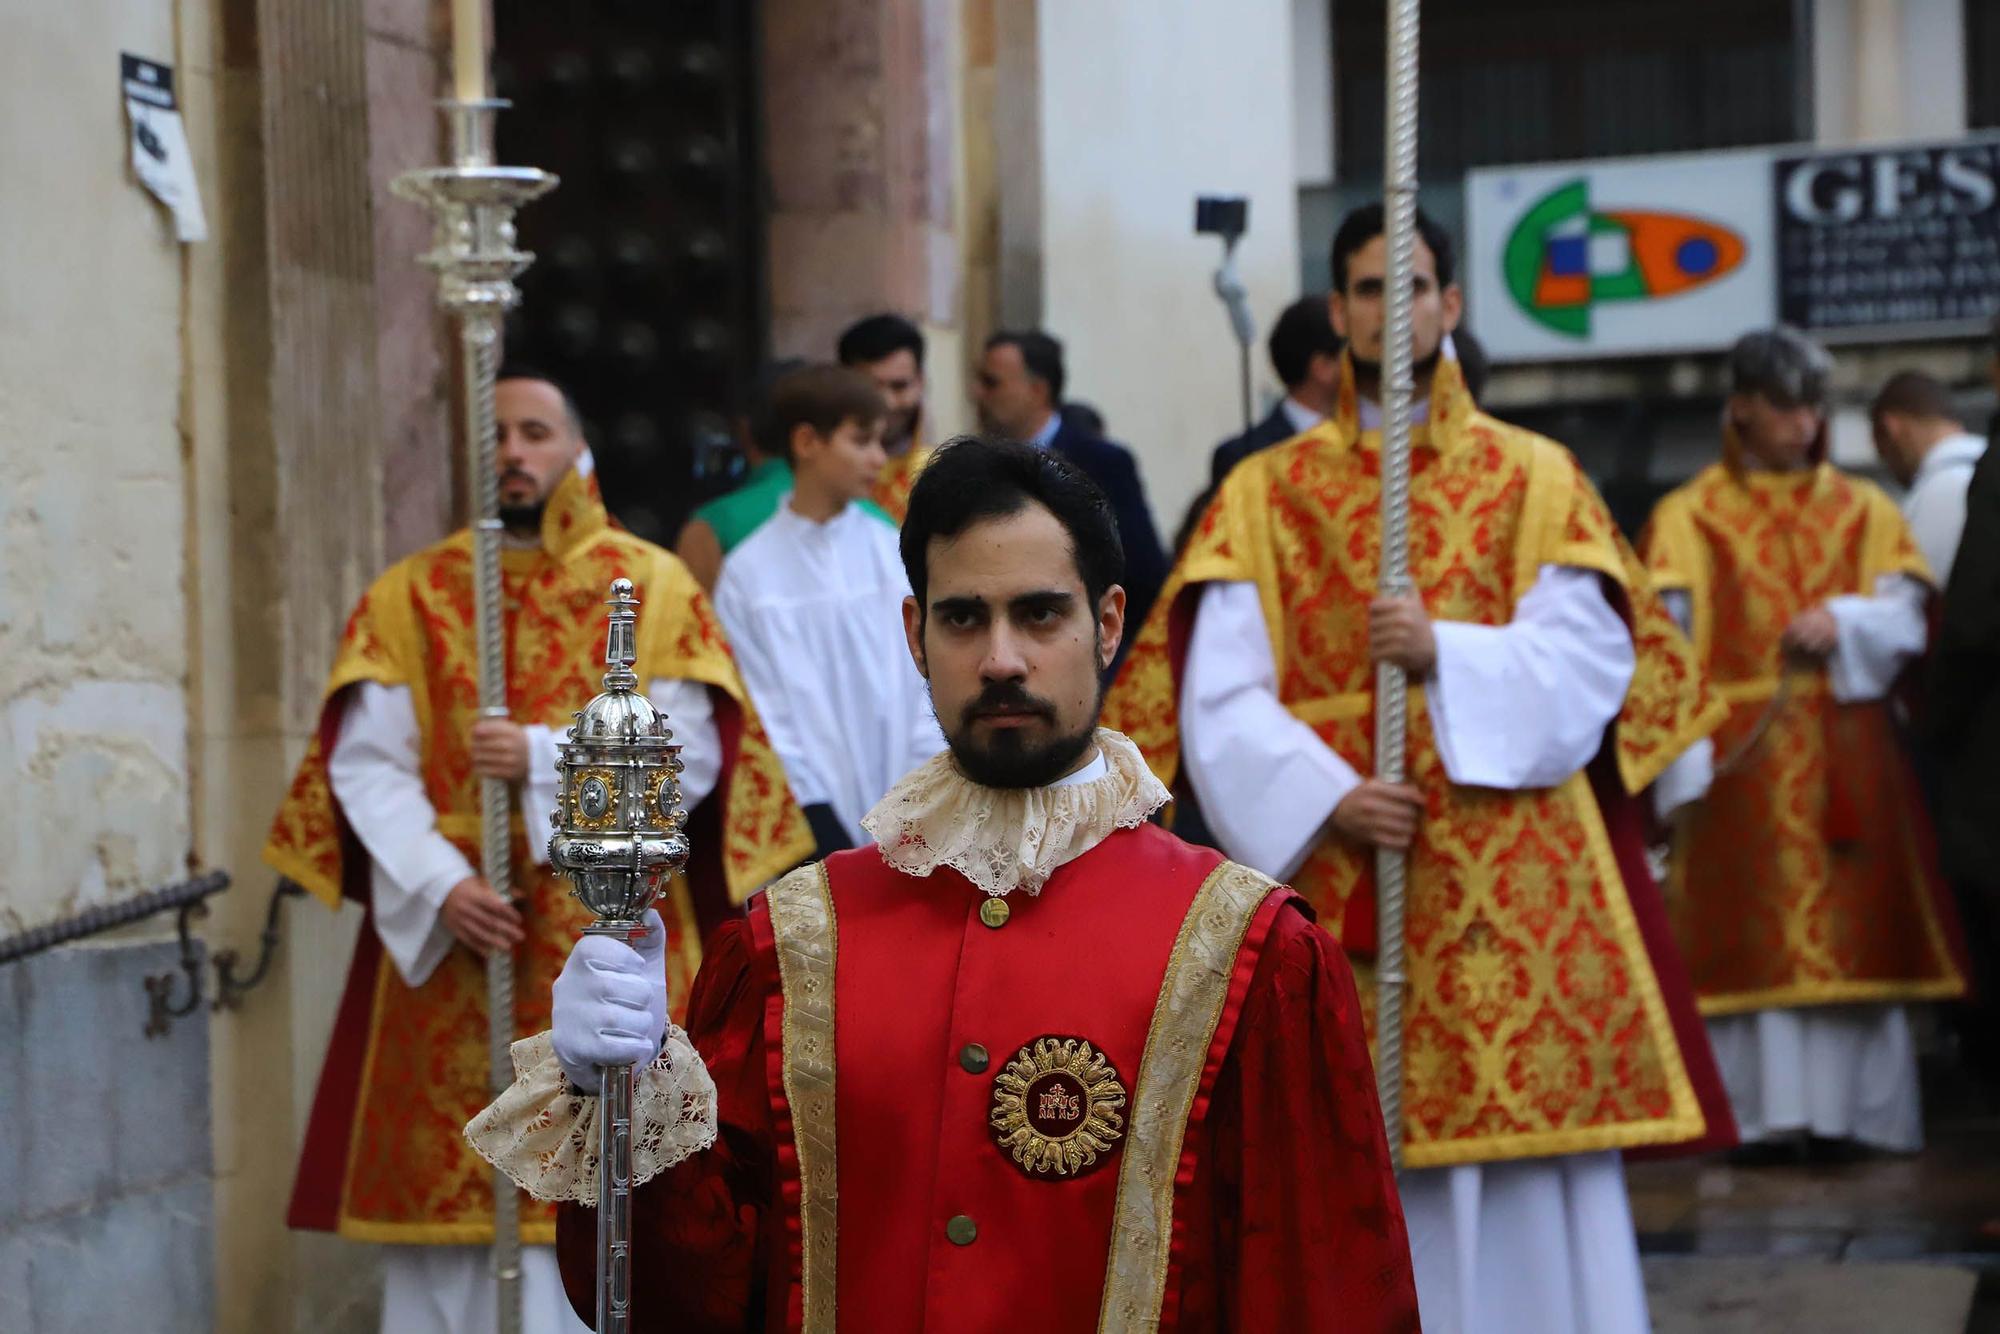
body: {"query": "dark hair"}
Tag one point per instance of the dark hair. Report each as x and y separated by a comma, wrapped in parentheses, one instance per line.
(977, 477)
(1040, 353)
(1080, 416)
(1364, 224)
(760, 423)
(867, 341)
(823, 397)
(1913, 394)
(1303, 332)
(521, 370)
(1473, 364)
(1783, 365)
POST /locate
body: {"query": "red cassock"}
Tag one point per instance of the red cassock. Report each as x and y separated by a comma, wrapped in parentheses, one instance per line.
(1143, 1093)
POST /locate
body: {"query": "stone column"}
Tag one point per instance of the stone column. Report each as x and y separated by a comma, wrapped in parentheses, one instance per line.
(860, 124)
(318, 450)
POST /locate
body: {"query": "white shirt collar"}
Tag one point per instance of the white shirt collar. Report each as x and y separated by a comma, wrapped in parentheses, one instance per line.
(1045, 436)
(798, 520)
(1089, 773)
(1301, 417)
(1952, 451)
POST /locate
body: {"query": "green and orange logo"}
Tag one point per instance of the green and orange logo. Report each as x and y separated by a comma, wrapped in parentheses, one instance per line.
(1563, 257)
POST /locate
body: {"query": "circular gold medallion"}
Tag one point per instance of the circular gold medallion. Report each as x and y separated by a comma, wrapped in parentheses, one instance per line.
(995, 912)
(1056, 1108)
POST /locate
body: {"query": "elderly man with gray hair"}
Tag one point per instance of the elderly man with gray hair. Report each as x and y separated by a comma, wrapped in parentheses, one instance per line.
(1803, 891)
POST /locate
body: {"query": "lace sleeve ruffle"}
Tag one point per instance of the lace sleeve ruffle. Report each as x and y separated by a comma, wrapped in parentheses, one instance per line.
(545, 1137)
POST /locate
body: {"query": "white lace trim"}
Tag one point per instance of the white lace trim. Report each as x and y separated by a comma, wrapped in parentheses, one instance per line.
(1004, 839)
(545, 1137)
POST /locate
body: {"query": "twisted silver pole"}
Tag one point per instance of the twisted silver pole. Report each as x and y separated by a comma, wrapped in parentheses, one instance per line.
(473, 252)
(479, 363)
(1399, 230)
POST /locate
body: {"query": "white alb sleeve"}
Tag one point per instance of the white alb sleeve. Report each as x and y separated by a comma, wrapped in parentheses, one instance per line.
(1878, 635)
(1692, 772)
(375, 775)
(1525, 705)
(1266, 782)
(764, 677)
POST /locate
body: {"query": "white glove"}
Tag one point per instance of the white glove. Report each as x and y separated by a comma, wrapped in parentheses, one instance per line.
(611, 1004)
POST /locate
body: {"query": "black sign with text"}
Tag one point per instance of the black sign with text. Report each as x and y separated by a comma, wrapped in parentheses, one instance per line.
(1898, 240)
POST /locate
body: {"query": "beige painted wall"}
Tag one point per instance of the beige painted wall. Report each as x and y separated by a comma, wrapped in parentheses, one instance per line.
(1138, 108)
(93, 657)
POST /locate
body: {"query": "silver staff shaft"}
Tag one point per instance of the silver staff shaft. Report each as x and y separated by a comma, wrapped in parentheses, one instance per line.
(1399, 198)
(472, 202)
(614, 1201)
(479, 361)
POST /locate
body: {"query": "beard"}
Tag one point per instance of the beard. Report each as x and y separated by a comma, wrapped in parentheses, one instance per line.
(522, 520)
(901, 431)
(1007, 759)
(1420, 370)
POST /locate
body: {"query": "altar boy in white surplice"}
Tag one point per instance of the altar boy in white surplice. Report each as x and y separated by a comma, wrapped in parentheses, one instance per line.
(813, 604)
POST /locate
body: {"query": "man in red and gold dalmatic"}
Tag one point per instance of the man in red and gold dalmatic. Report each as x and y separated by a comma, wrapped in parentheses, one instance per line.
(1548, 1024)
(385, 810)
(1803, 889)
(1029, 1062)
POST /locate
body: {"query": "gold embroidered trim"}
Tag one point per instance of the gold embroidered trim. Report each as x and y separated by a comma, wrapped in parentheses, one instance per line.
(1184, 1020)
(802, 924)
(1839, 991)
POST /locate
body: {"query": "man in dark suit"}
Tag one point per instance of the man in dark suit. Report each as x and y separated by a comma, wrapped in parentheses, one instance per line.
(1018, 392)
(1961, 713)
(1305, 352)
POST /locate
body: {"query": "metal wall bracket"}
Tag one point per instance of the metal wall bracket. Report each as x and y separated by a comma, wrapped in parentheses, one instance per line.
(161, 1007)
(229, 989)
(174, 995)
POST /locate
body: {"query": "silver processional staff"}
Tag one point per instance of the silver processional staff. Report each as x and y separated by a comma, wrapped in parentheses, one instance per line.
(619, 833)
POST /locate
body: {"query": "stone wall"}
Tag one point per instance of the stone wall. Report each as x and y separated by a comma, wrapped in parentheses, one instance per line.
(93, 657)
(106, 1208)
(862, 147)
(1132, 110)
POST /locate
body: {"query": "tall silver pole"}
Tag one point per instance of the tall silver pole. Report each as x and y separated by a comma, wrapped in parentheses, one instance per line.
(1399, 228)
(473, 252)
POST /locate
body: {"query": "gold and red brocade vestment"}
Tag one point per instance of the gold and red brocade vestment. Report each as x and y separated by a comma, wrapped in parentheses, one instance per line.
(1535, 1021)
(892, 488)
(1805, 877)
(385, 1157)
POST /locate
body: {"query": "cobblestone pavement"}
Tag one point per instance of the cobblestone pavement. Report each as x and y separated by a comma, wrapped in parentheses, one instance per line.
(1885, 1243)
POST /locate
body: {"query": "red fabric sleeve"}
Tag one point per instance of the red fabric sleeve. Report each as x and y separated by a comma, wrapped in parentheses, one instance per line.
(699, 1230)
(1306, 1226)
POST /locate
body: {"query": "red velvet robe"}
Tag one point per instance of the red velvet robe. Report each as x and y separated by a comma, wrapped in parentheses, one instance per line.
(1285, 1212)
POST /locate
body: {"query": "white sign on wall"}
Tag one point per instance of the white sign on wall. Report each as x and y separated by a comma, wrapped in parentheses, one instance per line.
(1644, 255)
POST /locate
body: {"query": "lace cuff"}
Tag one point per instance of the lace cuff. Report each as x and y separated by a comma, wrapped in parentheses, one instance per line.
(545, 1137)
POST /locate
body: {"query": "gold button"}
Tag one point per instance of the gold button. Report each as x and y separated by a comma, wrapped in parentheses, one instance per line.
(973, 1057)
(961, 1231)
(995, 912)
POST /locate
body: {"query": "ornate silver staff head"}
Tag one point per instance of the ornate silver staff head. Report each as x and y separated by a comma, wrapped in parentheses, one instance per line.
(619, 828)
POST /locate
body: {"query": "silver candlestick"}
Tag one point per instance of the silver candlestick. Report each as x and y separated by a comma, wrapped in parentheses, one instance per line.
(619, 833)
(473, 252)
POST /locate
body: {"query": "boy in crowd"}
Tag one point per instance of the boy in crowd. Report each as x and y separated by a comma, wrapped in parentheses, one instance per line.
(813, 605)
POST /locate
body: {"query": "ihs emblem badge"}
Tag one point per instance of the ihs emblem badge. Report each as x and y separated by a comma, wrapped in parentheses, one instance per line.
(1056, 1108)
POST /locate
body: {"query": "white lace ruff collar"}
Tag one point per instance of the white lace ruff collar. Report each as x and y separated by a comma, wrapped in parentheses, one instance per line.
(1004, 839)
